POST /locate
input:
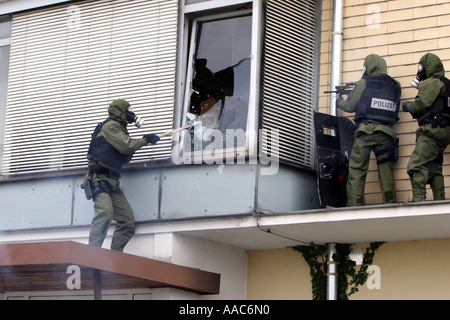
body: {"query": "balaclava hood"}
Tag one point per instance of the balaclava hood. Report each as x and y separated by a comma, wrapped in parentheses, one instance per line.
(375, 65)
(433, 65)
(118, 111)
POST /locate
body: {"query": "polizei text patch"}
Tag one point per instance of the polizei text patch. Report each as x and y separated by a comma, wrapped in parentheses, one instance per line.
(383, 104)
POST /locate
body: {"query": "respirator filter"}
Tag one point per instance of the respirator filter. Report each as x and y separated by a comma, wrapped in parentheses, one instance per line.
(138, 122)
(415, 82)
(421, 75)
(132, 118)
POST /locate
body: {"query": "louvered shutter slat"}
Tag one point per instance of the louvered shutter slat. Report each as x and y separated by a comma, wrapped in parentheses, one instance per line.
(290, 73)
(62, 79)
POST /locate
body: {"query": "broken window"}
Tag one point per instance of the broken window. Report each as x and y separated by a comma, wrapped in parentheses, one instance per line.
(217, 97)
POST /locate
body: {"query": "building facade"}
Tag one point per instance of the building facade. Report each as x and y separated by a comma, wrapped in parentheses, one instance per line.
(231, 194)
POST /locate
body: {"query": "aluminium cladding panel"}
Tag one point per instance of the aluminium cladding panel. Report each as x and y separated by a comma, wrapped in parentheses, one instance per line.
(36, 203)
(60, 202)
(206, 191)
(69, 61)
(140, 187)
(183, 192)
(290, 78)
(290, 189)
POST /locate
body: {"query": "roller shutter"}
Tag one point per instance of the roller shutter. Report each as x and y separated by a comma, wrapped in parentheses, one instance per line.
(290, 79)
(68, 62)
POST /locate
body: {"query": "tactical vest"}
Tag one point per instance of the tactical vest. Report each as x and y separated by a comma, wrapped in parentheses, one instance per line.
(379, 102)
(439, 112)
(104, 153)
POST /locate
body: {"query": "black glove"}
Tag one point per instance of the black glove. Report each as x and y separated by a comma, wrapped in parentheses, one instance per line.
(338, 100)
(152, 138)
(405, 106)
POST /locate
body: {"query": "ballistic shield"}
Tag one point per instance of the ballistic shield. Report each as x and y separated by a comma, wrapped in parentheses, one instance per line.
(334, 140)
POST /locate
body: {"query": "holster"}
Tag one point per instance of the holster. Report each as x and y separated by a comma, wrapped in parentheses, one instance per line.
(93, 189)
(86, 186)
(101, 187)
(392, 153)
(394, 150)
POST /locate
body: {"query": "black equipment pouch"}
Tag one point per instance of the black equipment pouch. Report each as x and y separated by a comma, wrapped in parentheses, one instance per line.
(438, 115)
(101, 187)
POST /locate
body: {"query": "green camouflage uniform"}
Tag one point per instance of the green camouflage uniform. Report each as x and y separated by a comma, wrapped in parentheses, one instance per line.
(113, 205)
(425, 164)
(376, 137)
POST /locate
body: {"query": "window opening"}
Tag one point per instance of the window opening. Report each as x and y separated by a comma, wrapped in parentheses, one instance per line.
(217, 97)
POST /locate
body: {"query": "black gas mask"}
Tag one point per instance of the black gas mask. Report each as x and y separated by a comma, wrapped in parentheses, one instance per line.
(132, 118)
(421, 75)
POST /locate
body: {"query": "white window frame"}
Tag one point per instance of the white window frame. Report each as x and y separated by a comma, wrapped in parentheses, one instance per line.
(184, 82)
(3, 43)
(212, 4)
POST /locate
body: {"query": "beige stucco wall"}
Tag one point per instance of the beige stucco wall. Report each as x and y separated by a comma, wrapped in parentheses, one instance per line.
(400, 31)
(280, 274)
(407, 270)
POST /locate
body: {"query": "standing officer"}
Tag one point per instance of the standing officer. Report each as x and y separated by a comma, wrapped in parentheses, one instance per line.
(110, 148)
(376, 100)
(432, 110)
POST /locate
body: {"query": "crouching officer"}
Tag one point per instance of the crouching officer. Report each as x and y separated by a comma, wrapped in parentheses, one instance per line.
(110, 148)
(376, 101)
(431, 108)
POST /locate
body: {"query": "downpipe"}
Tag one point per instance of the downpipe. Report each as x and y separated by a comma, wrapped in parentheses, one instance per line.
(336, 70)
(332, 273)
(336, 52)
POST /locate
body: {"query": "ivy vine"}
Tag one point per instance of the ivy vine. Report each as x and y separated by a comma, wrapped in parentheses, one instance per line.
(316, 258)
(350, 277)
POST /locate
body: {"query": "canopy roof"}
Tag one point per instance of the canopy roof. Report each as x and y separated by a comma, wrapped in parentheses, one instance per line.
(43, 266)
